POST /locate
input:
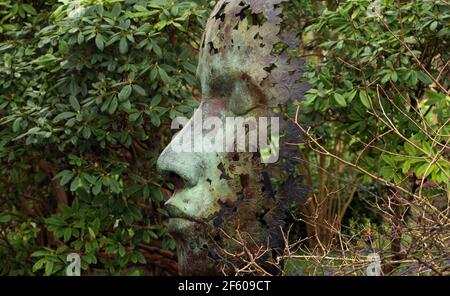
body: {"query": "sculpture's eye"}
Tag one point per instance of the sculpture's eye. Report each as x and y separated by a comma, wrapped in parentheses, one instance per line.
(221, 86)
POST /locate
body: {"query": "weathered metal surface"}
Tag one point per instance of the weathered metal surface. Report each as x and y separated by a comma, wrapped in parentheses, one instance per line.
(232, 198)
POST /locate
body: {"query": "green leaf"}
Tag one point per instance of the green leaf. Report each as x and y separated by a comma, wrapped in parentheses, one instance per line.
(156, 49)
(413, 78)
(427, 147)
(39, 264)
(179, 27)
(67, 234)
(117, 9)
(16, 125)
(162, 212)
(86, 132)
(90, 258)
(100, 42)
(340, 100)
(351, 95)
(139, 90)
(424, 78)
(122, 251)
(155, 101)
(140, 8)
(65, 179)
(420, 171)
(156, 121)
(410, 40)
(394, 76)
(153, 74)
(97, 188)
(39, 253)
(389, 64)
(364, 99)
(153, 234)
(126, 106)
(133, 117)
(433, 25)
(386, 78)
(74, 103)
(123, 45)
(163, 74)
(76, 183)
(91, 233)
(49, 267)
(4, 218)
(406, 166)
(435, 97)
(74, 88)
(29, 9)
(64, 115)
(125, 93)
(113, 106)
(96, 225)
(141, 258)
(387, 172)
(80, 38)
(146, 237)
(410, 149)
(389, 160)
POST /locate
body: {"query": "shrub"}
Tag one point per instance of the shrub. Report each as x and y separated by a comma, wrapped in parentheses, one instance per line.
(87, 89)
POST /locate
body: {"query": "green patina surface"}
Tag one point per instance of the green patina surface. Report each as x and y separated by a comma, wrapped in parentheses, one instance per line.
(229, 199)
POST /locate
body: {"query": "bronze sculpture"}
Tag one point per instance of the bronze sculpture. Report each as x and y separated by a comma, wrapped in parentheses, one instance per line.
(228, 199)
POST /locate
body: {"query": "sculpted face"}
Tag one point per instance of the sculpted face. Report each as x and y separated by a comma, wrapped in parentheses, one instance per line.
(225, 197)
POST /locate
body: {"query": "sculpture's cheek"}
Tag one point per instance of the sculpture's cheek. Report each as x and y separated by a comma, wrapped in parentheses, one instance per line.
(216, 107)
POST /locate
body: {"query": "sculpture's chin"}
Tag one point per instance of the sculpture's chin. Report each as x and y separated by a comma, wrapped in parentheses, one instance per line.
(192, 247)
(193, 258)
(179, 226)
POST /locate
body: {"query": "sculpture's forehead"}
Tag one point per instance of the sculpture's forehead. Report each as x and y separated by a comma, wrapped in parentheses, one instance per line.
(229, 24)
(241, 37)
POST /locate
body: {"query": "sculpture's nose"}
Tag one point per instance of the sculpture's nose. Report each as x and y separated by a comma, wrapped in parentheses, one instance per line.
(185, 169)
(190, 200)
(179, 157)
(186, 166)
(193, 169)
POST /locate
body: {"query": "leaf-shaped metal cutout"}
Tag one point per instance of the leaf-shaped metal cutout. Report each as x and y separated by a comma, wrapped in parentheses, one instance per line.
(230, 35)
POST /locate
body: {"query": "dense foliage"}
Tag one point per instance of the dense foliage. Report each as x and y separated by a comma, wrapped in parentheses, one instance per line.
(88, 89)
(378, 128)
(393, 66)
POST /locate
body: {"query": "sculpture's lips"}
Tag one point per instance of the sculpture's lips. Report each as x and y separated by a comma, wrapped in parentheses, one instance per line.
(184, 219)
(180, 221)
(176, 213)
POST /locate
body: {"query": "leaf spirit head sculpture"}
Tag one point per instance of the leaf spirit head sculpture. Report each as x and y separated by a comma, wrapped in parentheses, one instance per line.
(230, 199)
(244, 37)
